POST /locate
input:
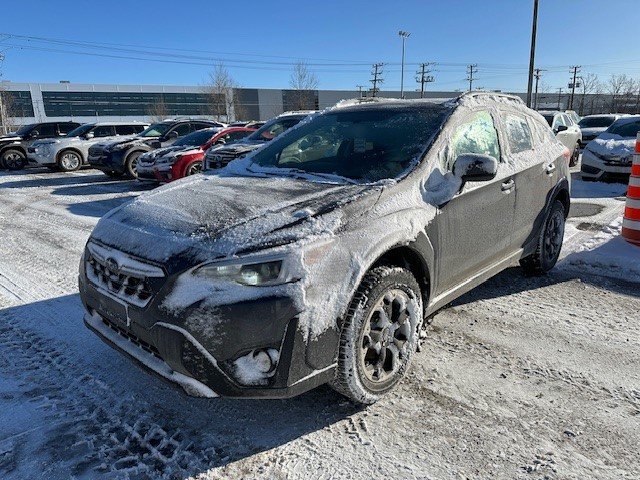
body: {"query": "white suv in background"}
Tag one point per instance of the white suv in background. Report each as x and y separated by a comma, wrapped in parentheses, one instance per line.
(70, 152)
(565, 130)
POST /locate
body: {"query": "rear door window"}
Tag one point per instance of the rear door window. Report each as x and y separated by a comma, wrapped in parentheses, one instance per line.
(103, 131)
(64, 128)
(46, 130)
(476, 135)
(183, 129)
(125, 130)
(518, 134)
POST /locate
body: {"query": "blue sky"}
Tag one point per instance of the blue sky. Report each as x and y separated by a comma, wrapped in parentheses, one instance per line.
(260, 40)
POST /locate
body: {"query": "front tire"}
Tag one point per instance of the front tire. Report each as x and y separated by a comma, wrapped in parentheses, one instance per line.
(69, 161)
(131, 164)
(549, 242)
(13, 159)
(379, 334)
(193, 169)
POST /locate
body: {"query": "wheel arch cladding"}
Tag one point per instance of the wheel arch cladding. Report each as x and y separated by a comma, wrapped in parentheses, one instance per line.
(20, 148)
(407, 257)
(563, 195)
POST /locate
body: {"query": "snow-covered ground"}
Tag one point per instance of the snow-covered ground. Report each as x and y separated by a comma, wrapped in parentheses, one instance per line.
(521, 378)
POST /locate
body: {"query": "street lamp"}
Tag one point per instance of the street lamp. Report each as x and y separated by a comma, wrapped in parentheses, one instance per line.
(404, 36)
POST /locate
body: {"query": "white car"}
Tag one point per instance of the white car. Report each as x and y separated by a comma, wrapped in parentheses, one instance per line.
(565, 130)
(70, 152)
(593, 125)
(610, 155)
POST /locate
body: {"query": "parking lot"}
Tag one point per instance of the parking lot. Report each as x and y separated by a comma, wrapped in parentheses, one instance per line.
(520, 378)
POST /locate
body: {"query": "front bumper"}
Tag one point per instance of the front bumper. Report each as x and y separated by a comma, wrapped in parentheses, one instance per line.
(201, 360)
(109, 161)
(153, 173)
(595, 168)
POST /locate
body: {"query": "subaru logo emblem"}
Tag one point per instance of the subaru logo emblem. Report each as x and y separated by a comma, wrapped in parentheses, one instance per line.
(112, 264)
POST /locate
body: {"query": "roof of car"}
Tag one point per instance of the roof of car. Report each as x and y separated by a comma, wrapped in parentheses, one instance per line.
(109, 124)
(627, 119)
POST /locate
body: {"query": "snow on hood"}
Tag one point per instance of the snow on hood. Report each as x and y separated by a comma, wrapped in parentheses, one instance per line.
(10, 138)
(612, 145)
(169, 154)
(208, 217)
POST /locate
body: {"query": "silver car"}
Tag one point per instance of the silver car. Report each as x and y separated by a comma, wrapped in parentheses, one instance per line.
(70, 152)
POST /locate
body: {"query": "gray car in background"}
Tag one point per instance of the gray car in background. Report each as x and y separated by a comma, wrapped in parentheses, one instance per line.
(316, 258)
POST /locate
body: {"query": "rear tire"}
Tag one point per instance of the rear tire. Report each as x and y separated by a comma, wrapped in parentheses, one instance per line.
(379, 335)
(549, 242)
(13, 159)
(69, 161)
(131, 164)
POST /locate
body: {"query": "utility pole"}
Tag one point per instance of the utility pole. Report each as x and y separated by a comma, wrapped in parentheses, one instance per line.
(572, 85)
(471, 69)
(532, 54)
(559, 95)
(537, 73)
(404, 36)
(376, 73)
(360, 87)
(423, 76)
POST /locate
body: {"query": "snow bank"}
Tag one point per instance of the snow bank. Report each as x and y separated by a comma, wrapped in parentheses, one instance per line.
(608, 254)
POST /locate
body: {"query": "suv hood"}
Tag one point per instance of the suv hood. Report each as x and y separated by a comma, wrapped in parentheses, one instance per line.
(239, 148)
(135, 140)
(168, 154)
(611, 145)
(209, 216)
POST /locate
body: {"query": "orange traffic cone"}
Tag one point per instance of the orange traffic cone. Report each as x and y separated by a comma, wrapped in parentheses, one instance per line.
(631, 220)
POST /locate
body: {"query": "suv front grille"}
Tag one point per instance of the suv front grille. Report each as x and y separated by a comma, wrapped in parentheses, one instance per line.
(147, 347)
(119, 275)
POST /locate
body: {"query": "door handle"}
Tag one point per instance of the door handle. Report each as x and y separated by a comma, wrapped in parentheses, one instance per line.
(551, 168)
(508, 185)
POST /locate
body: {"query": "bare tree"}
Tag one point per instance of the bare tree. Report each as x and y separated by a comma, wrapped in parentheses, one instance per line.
(7, 110)
(158, 110)
(618, 86)
(303, 83)
(589, 83)
(220, 90)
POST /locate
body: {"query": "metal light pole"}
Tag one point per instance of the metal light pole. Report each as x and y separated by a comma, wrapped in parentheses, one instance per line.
(532, 55)
(404, 36)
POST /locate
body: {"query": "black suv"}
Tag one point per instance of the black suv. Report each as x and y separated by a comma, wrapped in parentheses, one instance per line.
(220, 156)
(120, 157)
(317, 258)
(13, 146)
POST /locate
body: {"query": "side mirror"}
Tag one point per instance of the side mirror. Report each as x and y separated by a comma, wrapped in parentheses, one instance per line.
(172, 135)
(561, 128)
(34, 134)
(475, 167)
(89, 135)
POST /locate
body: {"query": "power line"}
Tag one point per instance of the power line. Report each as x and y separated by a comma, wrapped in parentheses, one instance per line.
(376, 73)
(423, 77)
(471, 69)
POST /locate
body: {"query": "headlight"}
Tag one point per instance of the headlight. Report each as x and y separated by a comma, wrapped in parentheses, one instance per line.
(255, 274)
(117, 147)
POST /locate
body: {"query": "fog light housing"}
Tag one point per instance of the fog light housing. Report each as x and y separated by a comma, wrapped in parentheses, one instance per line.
(256, 367)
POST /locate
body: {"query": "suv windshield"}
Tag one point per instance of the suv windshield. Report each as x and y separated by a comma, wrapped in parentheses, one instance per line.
(601, 121)
(625, 129)
(364, 145)
(271, 130)
(196, 138)
(25, 129)
(81, 130)
(156, 130)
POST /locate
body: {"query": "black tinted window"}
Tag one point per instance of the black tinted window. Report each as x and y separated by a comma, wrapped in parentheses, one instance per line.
(182, 129)
(46, 130)
(103, 131)
(272, 129)
(518, 133)
(599, 121)
(476, 135)
(233, 136)
(196, 138)
(125, 130)
(65, 128)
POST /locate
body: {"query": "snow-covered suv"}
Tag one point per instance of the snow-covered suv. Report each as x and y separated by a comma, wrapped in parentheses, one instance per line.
(70, 152)
(316, 258)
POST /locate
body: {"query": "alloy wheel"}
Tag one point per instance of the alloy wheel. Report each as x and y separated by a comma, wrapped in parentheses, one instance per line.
(554, 235)
(194, 168)
(70, 161)
(13, 160)
(385, 337)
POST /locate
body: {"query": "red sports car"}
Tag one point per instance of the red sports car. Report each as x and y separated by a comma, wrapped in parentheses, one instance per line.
(185, 156)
